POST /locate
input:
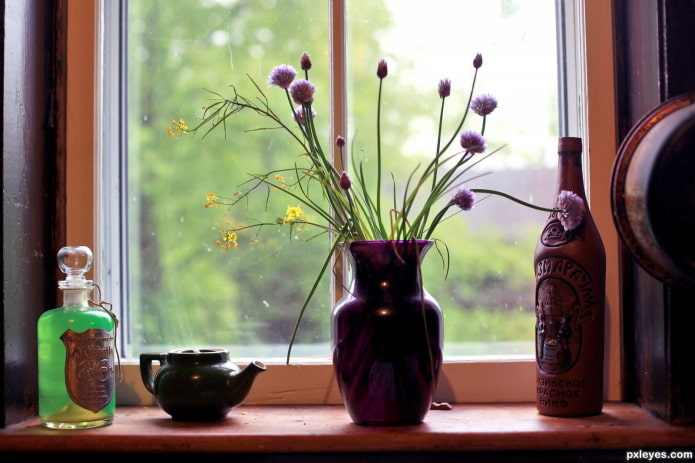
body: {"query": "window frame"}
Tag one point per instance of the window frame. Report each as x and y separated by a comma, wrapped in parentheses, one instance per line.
(463, 380)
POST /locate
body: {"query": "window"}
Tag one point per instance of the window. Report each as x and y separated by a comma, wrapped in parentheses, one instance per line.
(153, 156)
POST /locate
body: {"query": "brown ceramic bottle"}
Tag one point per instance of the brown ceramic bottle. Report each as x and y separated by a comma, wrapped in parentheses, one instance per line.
(570, 271)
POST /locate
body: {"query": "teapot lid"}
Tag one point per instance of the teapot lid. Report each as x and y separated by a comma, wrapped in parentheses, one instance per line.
(199, 355)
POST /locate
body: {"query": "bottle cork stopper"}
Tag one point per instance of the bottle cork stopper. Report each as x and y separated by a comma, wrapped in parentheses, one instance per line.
(569, 144)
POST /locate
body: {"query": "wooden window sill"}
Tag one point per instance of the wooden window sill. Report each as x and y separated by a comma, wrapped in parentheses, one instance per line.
(279, 429)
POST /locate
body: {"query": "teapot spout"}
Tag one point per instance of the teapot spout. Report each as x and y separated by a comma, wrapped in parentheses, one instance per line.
(239, 385)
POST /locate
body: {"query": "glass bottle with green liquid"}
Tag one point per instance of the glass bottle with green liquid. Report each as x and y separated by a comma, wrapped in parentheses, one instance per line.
(76, 352)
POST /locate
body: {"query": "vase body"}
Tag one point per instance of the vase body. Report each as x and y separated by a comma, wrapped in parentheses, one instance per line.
(387, 335)
(570, 269)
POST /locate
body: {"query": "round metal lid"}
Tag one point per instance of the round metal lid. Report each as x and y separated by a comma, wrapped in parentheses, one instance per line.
(653, 191)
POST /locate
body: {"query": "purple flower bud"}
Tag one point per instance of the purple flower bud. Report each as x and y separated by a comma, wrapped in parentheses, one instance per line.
(340, 141)
(444, 88)
(484, 104)
(282, 76)
(382, 70)
(464, 198)
(473, 142)
(345, 182)
(302, 91)
(478, 61)
(573, 210)
(305, 61)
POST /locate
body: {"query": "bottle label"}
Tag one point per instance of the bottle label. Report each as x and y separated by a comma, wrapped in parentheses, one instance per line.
(554, 235)
(89, 370)
(559, 393)
(565, 300)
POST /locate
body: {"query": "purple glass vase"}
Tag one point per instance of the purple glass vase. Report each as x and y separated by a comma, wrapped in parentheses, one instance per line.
(387, 335)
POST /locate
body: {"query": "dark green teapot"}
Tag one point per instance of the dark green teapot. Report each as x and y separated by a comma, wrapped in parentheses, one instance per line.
(197, 384)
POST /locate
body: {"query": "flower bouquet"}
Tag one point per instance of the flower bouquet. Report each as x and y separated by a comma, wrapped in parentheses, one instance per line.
(347, 203)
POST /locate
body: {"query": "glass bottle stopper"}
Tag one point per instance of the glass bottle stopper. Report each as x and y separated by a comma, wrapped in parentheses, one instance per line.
(75, 261)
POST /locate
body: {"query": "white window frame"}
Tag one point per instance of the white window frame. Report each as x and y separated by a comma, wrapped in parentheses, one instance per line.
(462, 380)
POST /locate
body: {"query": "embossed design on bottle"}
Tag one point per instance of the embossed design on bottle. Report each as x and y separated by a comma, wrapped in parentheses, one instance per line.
(554, 235)
(89, 368)
(565, 301)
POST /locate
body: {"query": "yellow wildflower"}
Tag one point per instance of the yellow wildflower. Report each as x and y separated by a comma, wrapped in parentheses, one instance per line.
(229, 240)
(212, 200)
(179, 126)
(281, 179)
(293, 213)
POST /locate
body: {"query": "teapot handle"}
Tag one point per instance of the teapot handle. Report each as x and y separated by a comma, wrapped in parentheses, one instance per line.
(146, 368)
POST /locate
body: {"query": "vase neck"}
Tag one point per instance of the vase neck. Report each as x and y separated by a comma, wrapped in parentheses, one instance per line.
(387, 267)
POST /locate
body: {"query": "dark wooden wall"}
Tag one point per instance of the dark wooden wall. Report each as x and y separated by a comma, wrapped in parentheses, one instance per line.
(655, 61)
(33, 159)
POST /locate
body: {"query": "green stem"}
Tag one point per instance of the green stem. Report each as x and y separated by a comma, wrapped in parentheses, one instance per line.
(310, 295)
(439, 142)
(465, 113)
(378, 158)
(516, 200)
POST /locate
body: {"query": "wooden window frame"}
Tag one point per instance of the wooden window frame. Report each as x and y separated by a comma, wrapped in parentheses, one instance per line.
(474, 380)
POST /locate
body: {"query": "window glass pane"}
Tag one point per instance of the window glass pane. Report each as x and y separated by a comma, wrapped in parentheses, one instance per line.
(184, 290)
(488, 296)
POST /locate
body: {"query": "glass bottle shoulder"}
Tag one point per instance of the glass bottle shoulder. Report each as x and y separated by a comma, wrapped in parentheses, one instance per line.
(79, 318)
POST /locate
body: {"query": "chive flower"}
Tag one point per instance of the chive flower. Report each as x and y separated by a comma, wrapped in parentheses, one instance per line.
(302, 91)
(572, 210)
(345, 182)
(473, 142)
(381, 69)
(484, 104)
(299, 114)
(305, 61)
(282, 76)
(444, 88)
(464, 198)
